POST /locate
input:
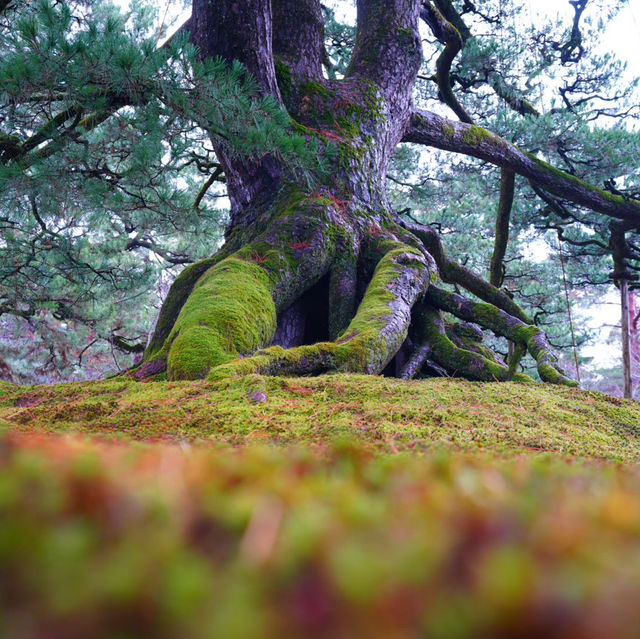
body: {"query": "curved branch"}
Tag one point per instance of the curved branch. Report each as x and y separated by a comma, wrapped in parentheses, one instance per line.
(449, 21)
(433, 130)
(447, 33)
(454, 38)
(451, 14)
(216, 176)
(572, 50)
(453, 273)
(510, 96)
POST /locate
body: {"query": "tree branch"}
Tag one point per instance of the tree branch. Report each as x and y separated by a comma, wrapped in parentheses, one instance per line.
(238, 31)
(433, 130)
(454, 37)
(503, 216)
(453, 273)
(388, 50)
(447, 33)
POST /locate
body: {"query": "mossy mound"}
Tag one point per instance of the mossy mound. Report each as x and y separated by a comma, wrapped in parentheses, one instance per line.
(368, 508)
(379, 413)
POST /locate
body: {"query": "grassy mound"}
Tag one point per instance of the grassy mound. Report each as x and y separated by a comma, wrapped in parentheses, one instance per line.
(335, 507)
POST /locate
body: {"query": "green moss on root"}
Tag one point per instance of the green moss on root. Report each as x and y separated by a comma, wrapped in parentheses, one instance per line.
(458, 360)
(363, 347)
(230, 312)
(177, 296)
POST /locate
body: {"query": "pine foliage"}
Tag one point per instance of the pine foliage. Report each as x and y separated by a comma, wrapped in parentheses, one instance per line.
(107, 170)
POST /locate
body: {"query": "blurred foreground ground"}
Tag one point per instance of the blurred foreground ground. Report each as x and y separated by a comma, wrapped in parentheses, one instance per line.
(337, 507)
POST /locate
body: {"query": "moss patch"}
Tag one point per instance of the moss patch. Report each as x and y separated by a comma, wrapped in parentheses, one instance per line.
(229, 312)
(420, 416)
(379, 508)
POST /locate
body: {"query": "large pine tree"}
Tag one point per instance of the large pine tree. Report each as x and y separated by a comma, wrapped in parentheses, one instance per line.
(330, 273)
(318, 272)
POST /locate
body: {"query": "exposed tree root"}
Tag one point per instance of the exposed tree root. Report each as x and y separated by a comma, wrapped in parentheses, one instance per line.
(175, 300)
(315, 282)
(416, 361)
(222, 314)
(373, 336)
(453, 273)
(459, 361)
(528, 338)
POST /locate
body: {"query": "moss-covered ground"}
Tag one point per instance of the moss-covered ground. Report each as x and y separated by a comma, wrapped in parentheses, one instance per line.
(340, 506)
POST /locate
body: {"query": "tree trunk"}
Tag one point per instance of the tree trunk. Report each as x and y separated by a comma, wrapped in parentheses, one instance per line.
(326, 278)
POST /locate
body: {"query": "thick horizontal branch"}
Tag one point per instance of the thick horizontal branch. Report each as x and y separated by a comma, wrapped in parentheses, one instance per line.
(433, 130)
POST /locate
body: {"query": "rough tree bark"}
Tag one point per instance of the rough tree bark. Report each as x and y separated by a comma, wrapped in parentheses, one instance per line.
(323, 278)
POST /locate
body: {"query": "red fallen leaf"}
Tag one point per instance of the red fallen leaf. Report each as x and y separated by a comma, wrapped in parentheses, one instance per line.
(296, 246)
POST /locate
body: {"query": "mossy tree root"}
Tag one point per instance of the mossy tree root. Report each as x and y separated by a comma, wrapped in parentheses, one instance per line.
(416, 361)
(232, 309)
(175, 300)
(431, 331)
(453, 273)
(373, 336)
(222, 314)
(525, 337)
(382, 322)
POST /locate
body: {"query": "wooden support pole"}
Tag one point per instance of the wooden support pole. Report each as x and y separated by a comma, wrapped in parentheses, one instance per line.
(621, 275)
(626, 353)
